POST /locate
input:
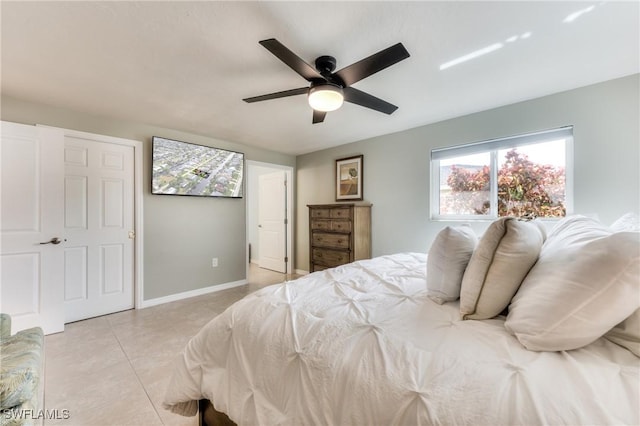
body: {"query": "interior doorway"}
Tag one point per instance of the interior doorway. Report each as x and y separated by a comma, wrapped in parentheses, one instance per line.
(256, 170)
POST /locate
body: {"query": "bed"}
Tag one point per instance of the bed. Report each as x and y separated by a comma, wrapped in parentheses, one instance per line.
(368, 344)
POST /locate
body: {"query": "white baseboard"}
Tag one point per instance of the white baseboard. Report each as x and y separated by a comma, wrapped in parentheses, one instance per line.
(190, 293)
(301, 272)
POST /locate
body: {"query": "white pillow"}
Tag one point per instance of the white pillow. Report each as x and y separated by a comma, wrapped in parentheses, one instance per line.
(626, 222)
(448, 257)
(503, 257)
(584, 283)
(627, 333)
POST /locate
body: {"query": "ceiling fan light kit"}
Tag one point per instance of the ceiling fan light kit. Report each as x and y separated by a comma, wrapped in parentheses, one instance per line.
(328, 90)
(326, 97)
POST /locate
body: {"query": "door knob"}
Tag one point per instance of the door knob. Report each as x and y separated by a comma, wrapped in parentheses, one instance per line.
(54, 240)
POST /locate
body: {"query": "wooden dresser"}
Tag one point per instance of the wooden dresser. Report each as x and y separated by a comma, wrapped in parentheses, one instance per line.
(338, 234)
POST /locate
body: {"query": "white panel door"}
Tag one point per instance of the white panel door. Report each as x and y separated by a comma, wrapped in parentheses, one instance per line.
(32, 234)
(99, 226)
(271, 220)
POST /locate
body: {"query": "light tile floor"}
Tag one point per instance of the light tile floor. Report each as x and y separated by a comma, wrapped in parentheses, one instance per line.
(114, 369)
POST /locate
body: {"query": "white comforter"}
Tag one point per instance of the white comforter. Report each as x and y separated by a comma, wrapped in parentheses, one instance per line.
(362, 344)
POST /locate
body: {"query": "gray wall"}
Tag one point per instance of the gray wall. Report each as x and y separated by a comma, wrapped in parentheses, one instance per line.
(181, 234)
(396, 173)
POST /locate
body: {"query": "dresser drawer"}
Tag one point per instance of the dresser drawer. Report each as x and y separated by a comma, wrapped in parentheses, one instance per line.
(321, 225)
(330, 258)
(343, 213)
(341, 226)
(320, 239)
(320, 213)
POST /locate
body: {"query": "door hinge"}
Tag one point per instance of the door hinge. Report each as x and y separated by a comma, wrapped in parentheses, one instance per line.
(286, 260)
(286, 221)
(132, 235)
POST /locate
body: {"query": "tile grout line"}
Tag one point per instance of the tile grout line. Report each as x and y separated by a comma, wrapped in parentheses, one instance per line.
(144, 388)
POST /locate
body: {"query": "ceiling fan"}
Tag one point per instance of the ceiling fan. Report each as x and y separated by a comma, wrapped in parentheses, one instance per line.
(329, 89)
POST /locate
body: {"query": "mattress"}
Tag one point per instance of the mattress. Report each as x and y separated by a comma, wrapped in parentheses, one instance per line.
(363, 344)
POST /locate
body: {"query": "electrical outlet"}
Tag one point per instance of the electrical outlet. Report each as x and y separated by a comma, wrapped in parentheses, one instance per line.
(214, 262)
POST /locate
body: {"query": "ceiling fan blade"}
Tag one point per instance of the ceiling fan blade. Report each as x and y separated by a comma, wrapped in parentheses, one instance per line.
(372, 64)
(276, 95)
(291, 59)
(318, 116)
(361, 98)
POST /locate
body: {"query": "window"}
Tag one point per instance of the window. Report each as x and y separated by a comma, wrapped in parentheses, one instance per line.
(526, 175)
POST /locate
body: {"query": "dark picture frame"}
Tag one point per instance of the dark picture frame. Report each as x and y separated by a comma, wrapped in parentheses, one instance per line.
(349, 178)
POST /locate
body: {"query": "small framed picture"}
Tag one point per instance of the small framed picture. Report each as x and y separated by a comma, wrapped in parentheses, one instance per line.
(349, 179)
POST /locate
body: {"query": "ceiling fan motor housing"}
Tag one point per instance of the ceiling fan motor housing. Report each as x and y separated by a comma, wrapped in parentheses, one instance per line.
(326, 65)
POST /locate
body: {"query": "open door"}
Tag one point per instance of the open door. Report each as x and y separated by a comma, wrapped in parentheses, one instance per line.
(33, 239)
(272, 224)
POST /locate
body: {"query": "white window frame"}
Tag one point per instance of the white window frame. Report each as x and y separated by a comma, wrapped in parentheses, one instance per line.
(493, 146)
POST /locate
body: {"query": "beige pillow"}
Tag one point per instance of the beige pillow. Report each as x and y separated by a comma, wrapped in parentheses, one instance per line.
(627, 333)
(584, 283)
(502, 259)
(448, 257)
(541, 226)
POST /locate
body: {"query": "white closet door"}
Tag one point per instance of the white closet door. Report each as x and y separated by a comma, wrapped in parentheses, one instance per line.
(99, 224)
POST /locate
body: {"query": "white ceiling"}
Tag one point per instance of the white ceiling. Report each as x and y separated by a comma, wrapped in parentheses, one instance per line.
(188, 65)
